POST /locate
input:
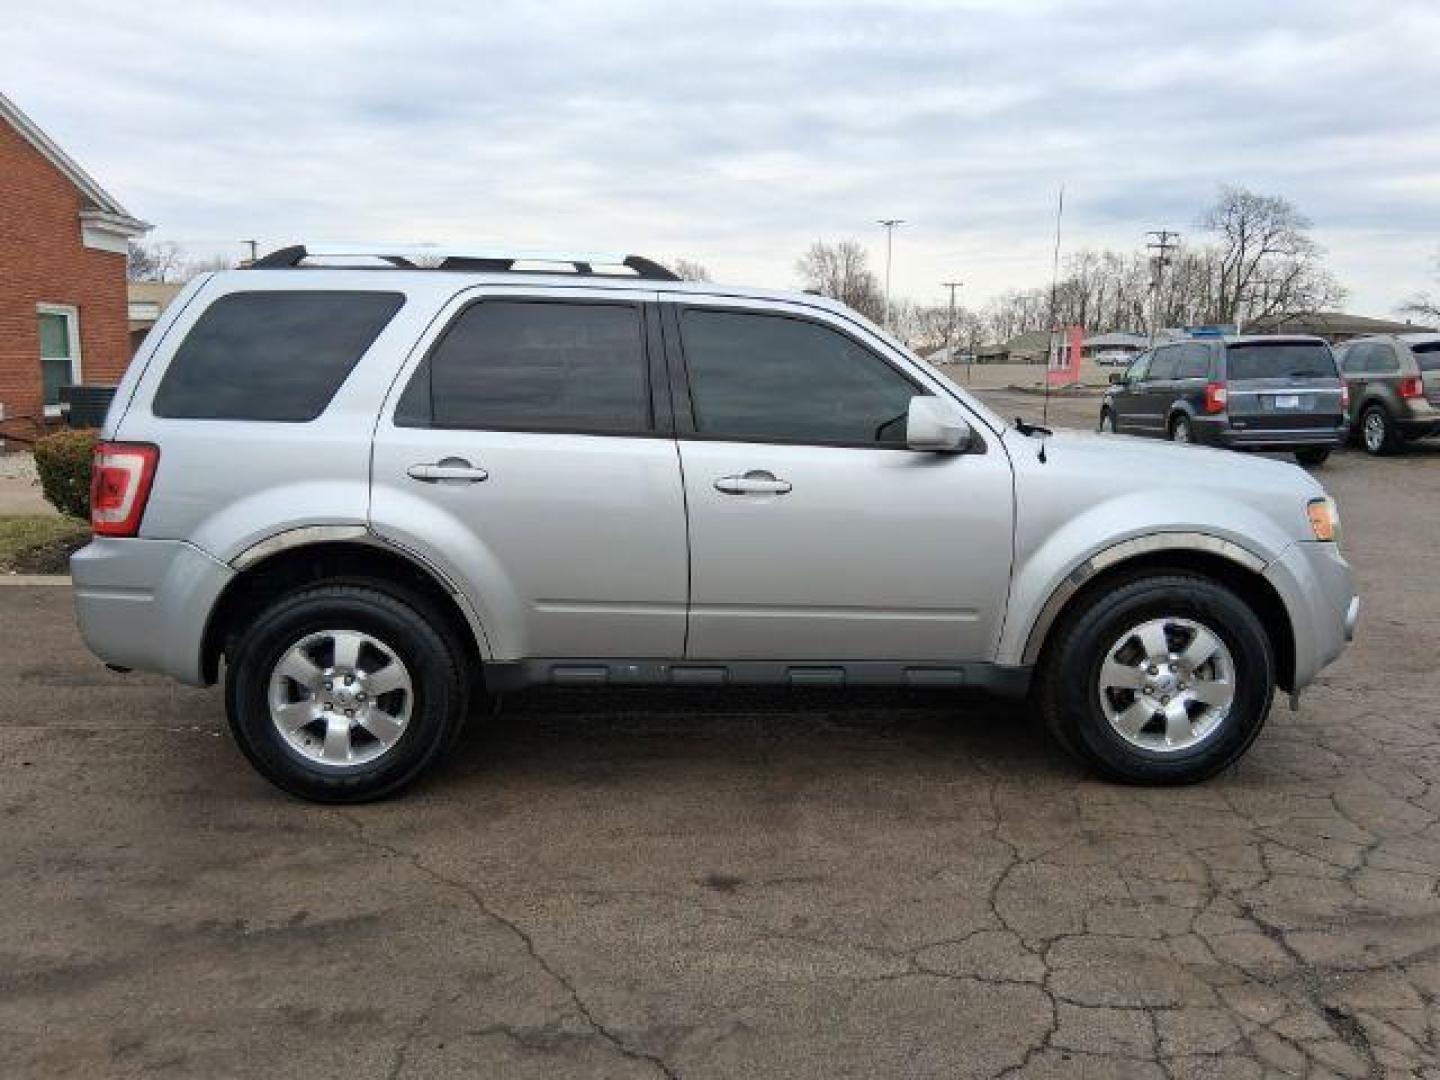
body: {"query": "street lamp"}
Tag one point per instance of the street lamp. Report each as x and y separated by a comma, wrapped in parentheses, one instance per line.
(889, 224)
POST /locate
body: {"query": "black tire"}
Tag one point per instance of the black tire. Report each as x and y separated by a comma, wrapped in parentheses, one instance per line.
(1181, 430)
(1378, 434)
(1107, 422)
(1067, 691)
(419, 636)
(1313, 455)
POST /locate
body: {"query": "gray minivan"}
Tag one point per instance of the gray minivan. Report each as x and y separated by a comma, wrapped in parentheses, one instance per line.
(1273, 393)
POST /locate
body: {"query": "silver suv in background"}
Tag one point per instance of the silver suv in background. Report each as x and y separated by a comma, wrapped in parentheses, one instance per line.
(369, 494)
(1394, 383)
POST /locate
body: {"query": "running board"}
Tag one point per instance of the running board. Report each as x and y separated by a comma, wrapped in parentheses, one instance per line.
(577, 671)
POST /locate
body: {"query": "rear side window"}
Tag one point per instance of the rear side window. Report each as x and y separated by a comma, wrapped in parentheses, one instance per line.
(775, 378)
(1280, 360)
(1194, 362)
(1427, 355)
(271, 355)
(1165, 362)
(518, 365)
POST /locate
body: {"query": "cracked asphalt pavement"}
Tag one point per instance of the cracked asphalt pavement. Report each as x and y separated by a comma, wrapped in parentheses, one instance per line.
(743, 884)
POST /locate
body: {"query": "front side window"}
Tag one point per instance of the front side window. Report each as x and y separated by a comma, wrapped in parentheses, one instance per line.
(535, 365)
(271, 355)
(783, 379)
(59, 350)
(1138, 367)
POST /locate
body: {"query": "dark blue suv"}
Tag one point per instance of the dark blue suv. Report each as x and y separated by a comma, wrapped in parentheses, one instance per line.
(1274, 393)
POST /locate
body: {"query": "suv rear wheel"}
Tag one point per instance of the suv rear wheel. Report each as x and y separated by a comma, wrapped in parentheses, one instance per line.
(1165, 679)
(1377, 431)
(345, 692)
(1313, 455)
(1180, 430)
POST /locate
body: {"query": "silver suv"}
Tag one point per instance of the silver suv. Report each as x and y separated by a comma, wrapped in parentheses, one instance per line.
(371, 493)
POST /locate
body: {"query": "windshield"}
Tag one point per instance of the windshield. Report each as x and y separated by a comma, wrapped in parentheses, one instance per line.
(1282, 360)
(1427, 355)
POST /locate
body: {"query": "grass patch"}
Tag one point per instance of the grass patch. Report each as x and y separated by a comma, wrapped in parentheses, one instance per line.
(39, 543)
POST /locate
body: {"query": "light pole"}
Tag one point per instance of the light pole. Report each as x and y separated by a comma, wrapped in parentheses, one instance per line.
(950, 325)
(889, 224)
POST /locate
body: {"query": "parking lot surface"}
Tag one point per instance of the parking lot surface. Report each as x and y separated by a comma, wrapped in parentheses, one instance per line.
(736, 884)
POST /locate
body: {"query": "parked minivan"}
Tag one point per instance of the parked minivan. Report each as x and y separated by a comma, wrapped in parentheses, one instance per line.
(1274, 393)
(366, 495)
(1394, 383)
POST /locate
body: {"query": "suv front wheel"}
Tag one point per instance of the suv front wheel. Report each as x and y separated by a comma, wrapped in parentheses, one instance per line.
(1164, 679)
(345, 692)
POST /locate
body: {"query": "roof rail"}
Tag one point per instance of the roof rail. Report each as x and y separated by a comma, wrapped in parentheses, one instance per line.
(428, 257)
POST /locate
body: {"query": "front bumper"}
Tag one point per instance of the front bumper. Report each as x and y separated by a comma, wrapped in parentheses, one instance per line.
(144, 603)
(1314, 581)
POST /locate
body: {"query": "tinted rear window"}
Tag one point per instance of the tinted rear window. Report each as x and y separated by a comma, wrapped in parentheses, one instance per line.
(527, 365)
(1427, 355)
(1282, 360)
(271, 355)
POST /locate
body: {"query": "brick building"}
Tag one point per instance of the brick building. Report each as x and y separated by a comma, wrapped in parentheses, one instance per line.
(63, 309)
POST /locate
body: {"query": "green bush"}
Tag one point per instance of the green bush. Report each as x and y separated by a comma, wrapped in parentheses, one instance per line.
(63, 462)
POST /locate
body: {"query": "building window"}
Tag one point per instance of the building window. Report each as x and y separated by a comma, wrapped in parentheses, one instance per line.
(59, 351)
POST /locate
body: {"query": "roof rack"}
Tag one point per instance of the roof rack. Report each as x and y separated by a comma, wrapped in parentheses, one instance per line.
(428, 257)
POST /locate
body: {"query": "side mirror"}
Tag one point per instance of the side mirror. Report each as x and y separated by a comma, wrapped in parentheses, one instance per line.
(1117, 378)
(935, 424)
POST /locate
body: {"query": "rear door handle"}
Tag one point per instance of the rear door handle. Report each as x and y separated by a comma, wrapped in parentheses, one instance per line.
(451, 470)
(754, 482)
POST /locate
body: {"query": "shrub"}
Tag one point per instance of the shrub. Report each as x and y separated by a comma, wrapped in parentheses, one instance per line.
(63, 462)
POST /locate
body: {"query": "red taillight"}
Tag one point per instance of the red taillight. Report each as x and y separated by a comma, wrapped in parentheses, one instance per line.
(120, 480)
(1216, 397)
(1412, 386)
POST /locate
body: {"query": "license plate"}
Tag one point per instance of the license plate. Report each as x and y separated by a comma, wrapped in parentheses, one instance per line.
(1287, 401)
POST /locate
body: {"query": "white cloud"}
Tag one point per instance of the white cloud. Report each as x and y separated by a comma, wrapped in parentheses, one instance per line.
(737, 133)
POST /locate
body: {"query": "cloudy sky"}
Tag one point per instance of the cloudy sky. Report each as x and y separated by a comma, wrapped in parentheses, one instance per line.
(736, 133)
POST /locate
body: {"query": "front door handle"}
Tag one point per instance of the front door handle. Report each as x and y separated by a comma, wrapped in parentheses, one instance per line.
(451, 470)
(754, 482)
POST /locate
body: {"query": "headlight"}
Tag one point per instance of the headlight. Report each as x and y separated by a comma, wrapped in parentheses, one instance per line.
(1324, 519)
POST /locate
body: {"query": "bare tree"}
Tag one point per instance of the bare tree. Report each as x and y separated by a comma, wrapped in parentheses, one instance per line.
(1424, 305)
(154, 262)
(1268, 263)
(841, 271)
(688, 269)
(168, 262)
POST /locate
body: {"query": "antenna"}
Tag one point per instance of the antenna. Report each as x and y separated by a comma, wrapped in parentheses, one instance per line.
(1054, 306)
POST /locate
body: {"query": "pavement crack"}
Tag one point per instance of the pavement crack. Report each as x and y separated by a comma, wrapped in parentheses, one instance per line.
(526, 940)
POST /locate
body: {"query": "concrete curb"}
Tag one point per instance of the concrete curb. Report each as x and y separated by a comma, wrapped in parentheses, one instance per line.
(35, 579)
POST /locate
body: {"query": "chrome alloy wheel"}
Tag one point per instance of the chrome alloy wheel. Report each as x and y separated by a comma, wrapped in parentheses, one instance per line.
(1167, 684)
(340, 697)
(1374, 431)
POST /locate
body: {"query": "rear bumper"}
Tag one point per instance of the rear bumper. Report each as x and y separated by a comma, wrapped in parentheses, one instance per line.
(144, 603)
(1217, 431)
(1314, 581)
(1418, 427)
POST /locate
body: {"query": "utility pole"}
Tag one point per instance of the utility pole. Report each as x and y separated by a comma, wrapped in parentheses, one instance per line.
(254, 249)
(950, 325)
(889, 224)
(1165, 241)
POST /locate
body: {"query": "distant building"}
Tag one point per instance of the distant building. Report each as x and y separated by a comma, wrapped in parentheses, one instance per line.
(148, 301)
(63, 240)
(1333, 326)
